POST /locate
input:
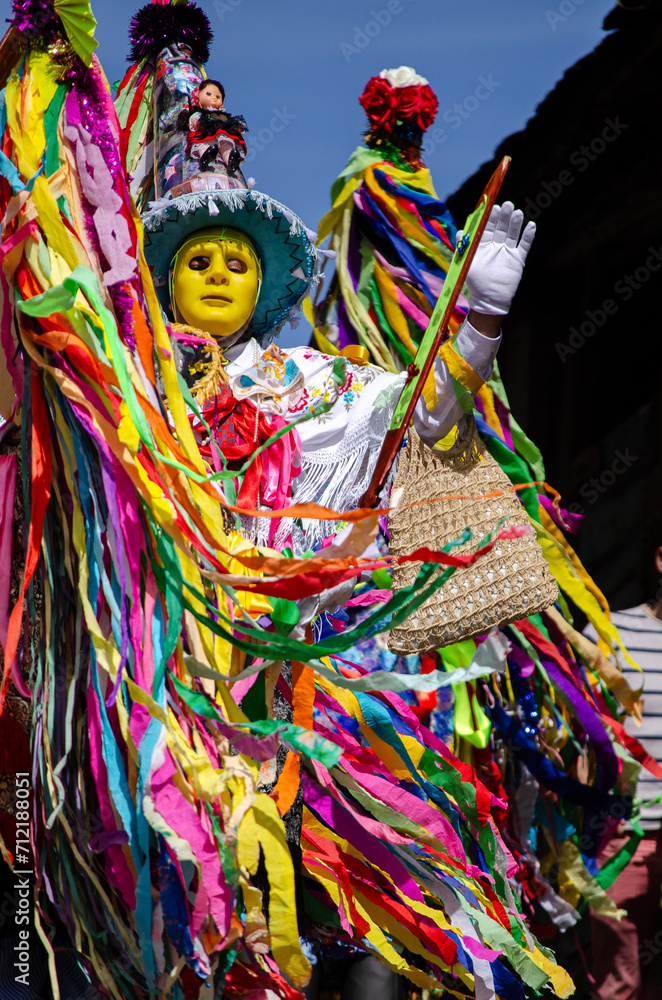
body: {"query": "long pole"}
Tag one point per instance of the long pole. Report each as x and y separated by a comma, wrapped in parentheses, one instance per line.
(434, 334)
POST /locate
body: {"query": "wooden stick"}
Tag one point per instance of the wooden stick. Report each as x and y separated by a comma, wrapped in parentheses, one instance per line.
(431, 341)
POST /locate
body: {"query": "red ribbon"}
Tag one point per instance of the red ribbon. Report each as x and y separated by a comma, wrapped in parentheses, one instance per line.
(41, 493)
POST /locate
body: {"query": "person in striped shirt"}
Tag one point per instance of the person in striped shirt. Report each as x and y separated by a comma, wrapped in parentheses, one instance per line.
(625, 952)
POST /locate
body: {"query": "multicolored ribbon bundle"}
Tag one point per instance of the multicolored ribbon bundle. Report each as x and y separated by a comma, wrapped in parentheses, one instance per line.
(154, 847)
(158, 673)
(545, 735)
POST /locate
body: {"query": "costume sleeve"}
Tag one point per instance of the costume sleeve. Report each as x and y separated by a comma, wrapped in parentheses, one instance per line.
(478, 353)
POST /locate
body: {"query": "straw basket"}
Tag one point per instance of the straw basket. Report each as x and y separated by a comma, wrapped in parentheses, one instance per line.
(510, 582)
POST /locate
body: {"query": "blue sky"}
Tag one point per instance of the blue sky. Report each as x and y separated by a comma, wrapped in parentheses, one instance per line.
(301, 64)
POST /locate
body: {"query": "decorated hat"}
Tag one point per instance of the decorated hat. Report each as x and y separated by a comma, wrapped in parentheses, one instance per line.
(290, 259)
(185, 159)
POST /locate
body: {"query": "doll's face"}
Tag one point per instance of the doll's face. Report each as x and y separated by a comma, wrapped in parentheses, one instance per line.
(210, 97)
(216, 283)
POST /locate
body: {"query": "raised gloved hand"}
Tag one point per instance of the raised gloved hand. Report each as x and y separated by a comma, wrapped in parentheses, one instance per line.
(498, 263)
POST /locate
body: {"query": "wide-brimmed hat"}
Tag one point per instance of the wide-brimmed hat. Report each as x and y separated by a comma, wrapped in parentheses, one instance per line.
(290, 259)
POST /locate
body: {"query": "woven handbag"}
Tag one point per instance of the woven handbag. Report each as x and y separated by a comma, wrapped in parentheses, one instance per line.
(510, 582)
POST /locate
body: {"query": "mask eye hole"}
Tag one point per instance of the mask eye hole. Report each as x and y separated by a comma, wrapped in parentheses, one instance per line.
(237, 265)
(199, 263)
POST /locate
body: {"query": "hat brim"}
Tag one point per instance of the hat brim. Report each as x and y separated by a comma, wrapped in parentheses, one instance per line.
(290, 257)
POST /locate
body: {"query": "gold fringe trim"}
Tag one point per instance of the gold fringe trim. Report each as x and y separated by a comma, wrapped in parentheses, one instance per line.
(213, 371)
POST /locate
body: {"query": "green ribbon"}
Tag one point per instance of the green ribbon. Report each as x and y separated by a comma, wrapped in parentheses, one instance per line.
(517, 471)
(299, 738)
(471, 722)
(613, 868)
(428, 340)
(523, 445)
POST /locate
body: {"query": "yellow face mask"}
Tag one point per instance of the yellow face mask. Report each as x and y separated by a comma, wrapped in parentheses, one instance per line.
(215, 282)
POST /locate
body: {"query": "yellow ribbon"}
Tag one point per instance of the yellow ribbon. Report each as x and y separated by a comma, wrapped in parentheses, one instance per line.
(574, 869)
(262, 827)
(599, 664)
(459, 369)
(573, 579)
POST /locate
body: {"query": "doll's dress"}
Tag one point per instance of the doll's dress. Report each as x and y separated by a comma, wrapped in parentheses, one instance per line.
(209, 128)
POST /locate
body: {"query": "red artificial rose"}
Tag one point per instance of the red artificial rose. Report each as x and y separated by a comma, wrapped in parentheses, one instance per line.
(409, 101)
(379, 102)
(427, 108)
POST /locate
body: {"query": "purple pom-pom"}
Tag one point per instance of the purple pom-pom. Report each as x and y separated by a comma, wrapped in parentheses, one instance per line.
(35, 19)
(157, 25)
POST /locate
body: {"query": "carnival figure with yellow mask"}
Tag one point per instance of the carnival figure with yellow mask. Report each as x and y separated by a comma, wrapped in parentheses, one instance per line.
(201, 829)
(230, 271)
(231, 266)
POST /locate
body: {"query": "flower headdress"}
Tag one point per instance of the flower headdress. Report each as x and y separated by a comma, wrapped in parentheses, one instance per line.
(401, 106)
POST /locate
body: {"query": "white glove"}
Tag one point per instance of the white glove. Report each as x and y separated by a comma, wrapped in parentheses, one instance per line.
(498, 263)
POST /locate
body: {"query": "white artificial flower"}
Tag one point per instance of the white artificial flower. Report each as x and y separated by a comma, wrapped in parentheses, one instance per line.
(403, 76)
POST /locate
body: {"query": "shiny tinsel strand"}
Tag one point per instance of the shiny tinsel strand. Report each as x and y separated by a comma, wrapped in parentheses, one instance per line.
(526, 700)
(88, 90)
(123, 306)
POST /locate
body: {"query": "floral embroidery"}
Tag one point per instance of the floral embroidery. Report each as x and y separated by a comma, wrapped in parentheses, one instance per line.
(356, 379)
(323, 395)
(348, 381)
(302, 403)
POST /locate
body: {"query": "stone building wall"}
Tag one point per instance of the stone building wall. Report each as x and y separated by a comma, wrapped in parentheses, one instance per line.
(582, 351)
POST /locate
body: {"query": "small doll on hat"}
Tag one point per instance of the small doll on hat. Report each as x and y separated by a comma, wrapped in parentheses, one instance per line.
(215, 138)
